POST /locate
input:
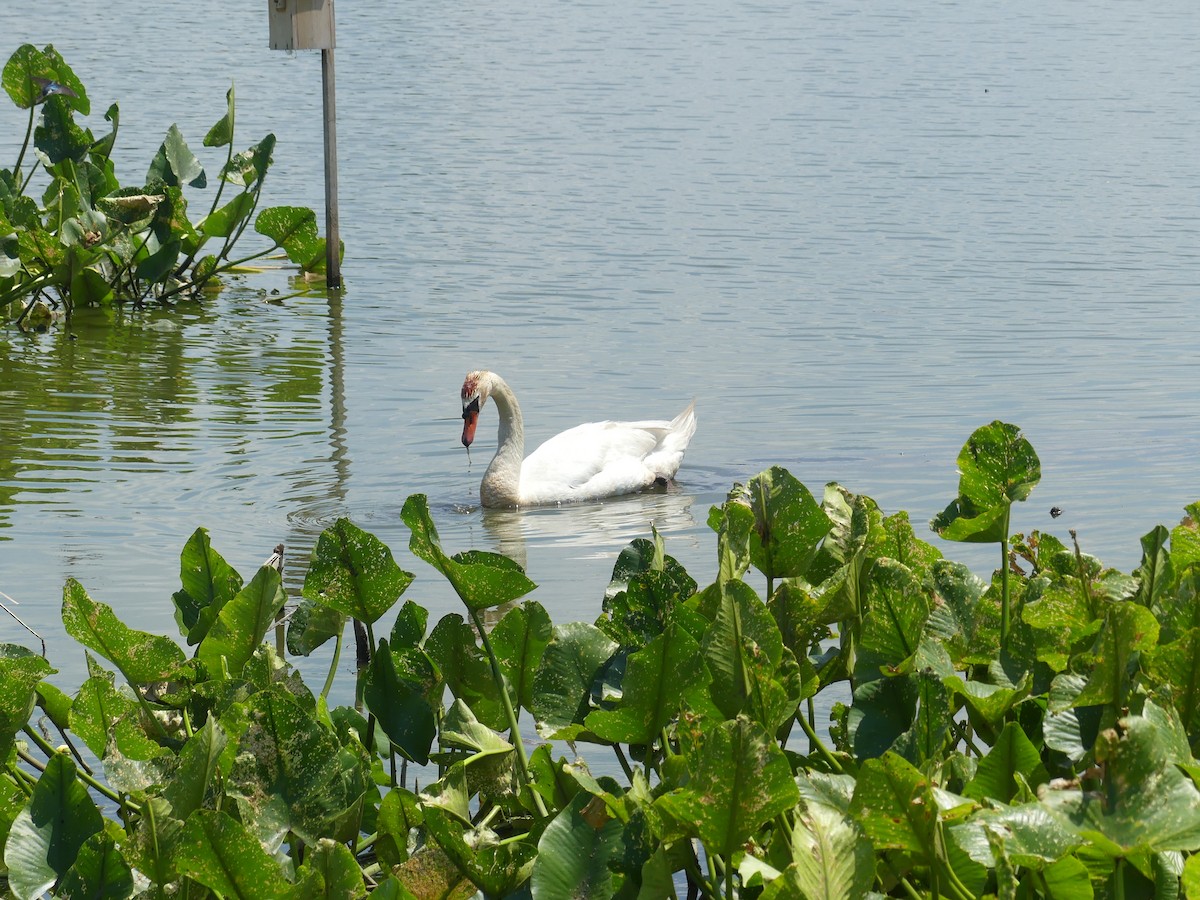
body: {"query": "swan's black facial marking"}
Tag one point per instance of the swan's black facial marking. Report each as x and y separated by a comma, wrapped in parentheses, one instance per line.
(470, 420)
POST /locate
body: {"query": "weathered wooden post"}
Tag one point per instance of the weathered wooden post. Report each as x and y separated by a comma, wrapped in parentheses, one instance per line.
(308, 25)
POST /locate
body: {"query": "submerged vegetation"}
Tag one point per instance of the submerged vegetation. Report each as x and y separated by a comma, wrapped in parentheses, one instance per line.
(89, 240)
(1031, 735)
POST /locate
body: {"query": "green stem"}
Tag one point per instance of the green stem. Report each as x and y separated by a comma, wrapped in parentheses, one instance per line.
(514, 729)
(87, 779)
(23, 779)
(815, 742)
(333, 664)
(1005, 609)
(965, 735)
(25, 144)
(714, 882)
(625, 767)
(691, 866)
(954, 884)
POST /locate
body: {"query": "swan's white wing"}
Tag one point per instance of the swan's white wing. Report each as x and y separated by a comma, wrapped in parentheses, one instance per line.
(599, 459)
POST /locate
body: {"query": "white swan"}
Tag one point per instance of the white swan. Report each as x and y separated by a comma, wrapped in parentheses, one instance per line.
(587, 462)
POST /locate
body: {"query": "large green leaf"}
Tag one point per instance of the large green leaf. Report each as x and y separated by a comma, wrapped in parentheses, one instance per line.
(925, 739)
(897, 608)
(294, 229)
(248, 168)
(218, 852)
(1032, 835)
(1011, 756)
(519, 640)
(1156, 574)
(353, 572)
(221, 134)
(963, 617)
(562, 686)
(740, 780)
(98, 707)
(988, 705)
(742, 649)
(197, 777)
(399, 813)
(1177, 665)
(175, 164)
(645, 588)
(311, 624)
(1061, 617)
(1178, 610)
(997, 467)
(883, 710)
(497, 868)
(242, 623)
(789, 525)
(142, 658)
(1129, 629)
(453, 647)
(1148, 805)
(481, 580)
(99, 871)
(20, 672)
(832, 857)
(400, 706)
(225, 221)
(151, 848)
(291, 767)
(340, 874)
(58, 136)
(30, 75)
(733, 522)
(460, 728)
(47, 834)
(656, 679)
(574, 853)
(894, 804)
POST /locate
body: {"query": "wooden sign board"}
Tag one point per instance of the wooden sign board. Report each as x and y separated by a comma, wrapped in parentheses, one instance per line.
(301, 24)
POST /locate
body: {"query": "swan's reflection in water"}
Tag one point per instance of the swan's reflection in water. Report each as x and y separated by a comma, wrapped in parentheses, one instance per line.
(596, 529)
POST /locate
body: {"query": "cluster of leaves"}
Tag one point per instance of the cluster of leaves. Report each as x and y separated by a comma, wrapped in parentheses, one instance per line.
(91, 241)
(1031, 736)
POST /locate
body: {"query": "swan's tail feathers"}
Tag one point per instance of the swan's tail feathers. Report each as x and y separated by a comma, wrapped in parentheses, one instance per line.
(668, 455)
(683, 426)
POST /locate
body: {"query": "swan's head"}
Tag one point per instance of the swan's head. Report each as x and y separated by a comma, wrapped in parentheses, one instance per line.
(474, 395)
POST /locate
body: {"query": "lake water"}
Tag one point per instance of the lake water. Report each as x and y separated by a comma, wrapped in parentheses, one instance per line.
(853, 232)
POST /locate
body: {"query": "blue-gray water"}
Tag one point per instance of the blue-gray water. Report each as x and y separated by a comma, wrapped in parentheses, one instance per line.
(853, 232)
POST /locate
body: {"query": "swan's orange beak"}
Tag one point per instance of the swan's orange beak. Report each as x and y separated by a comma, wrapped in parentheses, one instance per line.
(470, 420)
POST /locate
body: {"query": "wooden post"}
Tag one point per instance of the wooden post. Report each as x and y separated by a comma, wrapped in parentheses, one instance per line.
(308, 25)
(333, 243)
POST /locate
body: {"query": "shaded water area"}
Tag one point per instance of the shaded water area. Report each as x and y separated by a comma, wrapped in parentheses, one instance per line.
(853, 234)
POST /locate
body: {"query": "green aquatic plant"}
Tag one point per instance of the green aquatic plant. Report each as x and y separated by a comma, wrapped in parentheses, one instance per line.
(89, 240)
(1032, 735)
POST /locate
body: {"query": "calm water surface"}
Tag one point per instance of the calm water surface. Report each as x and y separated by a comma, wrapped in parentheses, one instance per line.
(853, 233)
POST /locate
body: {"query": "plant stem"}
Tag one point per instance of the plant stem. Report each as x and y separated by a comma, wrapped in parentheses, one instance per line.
(24, 147)
(514, 729)
(90, 780)
(625, 767)
(333, 663)
(1005, 610)
(815, 741)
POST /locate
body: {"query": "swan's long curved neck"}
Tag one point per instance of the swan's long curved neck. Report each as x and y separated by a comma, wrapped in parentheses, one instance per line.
(502, 480)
